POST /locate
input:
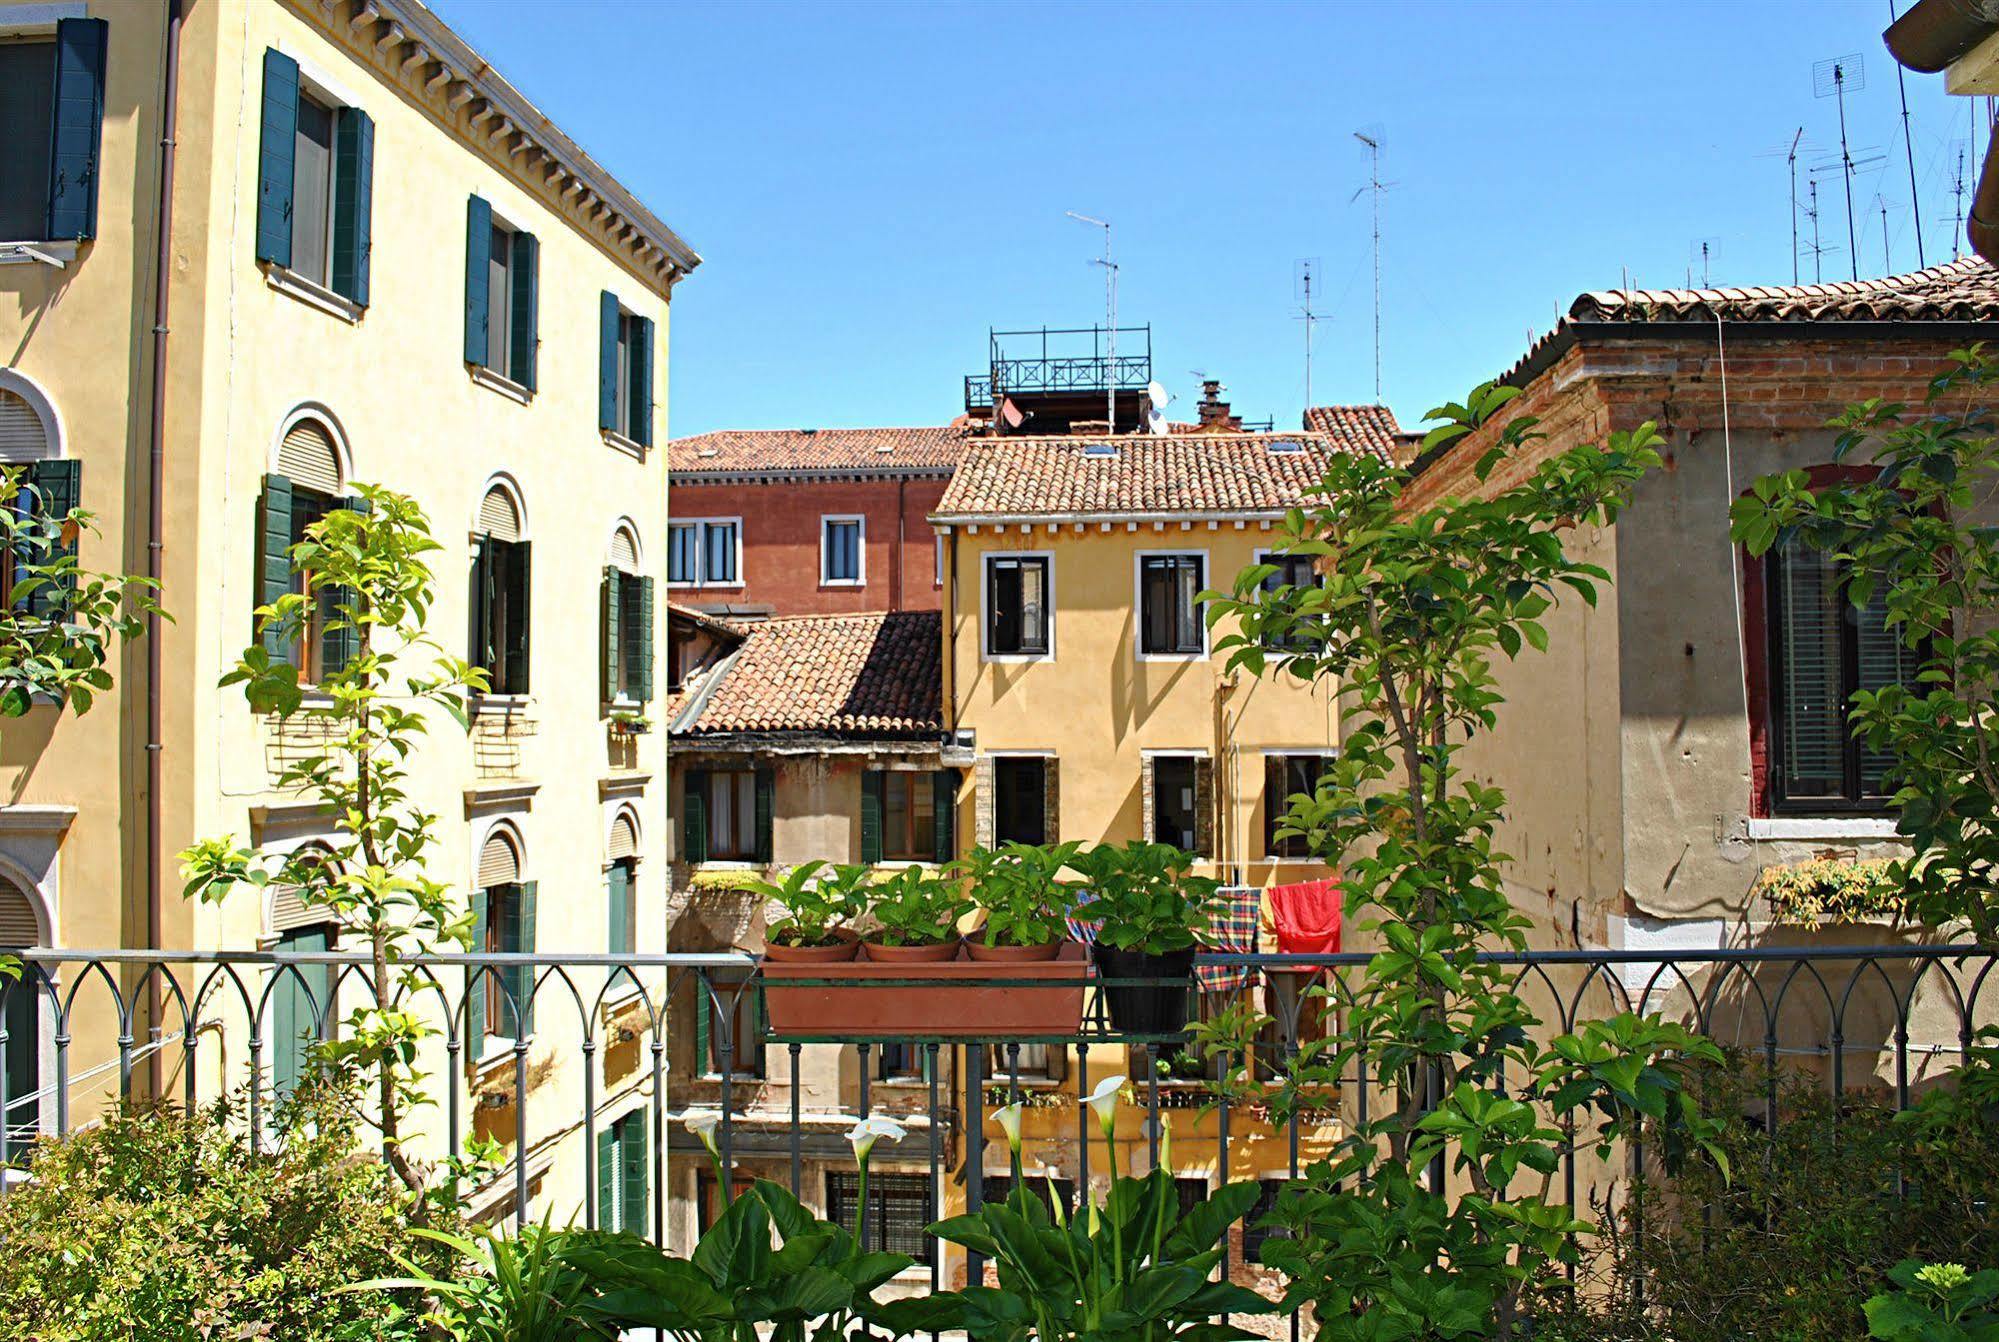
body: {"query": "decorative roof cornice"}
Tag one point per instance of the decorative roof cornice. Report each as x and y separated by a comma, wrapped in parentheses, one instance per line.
(417, 52)
(810, 476)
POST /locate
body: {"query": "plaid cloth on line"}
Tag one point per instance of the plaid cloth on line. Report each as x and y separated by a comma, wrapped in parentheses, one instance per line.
(1231, 930)
(1080, 929)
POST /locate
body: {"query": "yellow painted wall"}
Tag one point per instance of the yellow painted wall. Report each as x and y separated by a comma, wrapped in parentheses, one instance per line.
(394, 385)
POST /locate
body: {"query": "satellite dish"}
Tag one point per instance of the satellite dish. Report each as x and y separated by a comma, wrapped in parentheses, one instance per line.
(1157, 394)
(1155, 422)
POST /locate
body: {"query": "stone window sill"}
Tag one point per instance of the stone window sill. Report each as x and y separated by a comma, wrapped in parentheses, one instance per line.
(492, 381)
(313, 294)
(1813, 829)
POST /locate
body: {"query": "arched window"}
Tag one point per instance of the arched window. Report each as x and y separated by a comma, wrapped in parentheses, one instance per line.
(626, 601)
(621, 882)
(306, 483)
(30, 444)
(19, 928)
(501, 591)
(501, 1006)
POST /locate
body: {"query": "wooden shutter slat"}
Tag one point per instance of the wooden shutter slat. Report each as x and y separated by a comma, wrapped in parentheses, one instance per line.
(873, 782)
(78, 128)
(766, 788)
(307, 457)
(276, 150)
(944, 814)
(23, 437)
(520, 586)
(524, 977)
(274, 561)
(499, 864)
(353, 202)
(478, 280)
(624, 838)
(694, 816)
(624, 550)
(607, 1177)
(613, 600)
(643, 638)
(18, 926)
(634, 1151)
(498, 518)
(475, 984)
(642, 383)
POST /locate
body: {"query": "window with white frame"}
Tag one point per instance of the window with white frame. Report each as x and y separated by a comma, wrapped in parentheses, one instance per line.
(704, 552)
(1019, 614)
(1169, 616)
(840, 550)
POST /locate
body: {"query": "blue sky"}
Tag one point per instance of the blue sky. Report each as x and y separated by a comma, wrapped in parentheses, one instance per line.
(873, 185)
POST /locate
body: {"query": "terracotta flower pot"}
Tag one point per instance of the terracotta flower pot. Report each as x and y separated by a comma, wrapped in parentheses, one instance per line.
(952, 997)
(1014, 955)
(911, 955)
(846, 948)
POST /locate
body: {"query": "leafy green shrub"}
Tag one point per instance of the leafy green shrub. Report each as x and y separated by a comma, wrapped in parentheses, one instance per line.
(1825, 891)
(1811, 1221)
(1937, 1302)
(165, 1226)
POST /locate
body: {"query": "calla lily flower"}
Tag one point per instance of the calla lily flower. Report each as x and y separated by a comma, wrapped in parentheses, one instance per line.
(871, 1130)
(1103, 1101)
(702, 1123)
(1009, 1121)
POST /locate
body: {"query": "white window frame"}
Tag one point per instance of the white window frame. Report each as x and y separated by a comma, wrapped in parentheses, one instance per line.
(938, 559)
(701, 525)
(986, 653)
(1138, 605)
(826, 522)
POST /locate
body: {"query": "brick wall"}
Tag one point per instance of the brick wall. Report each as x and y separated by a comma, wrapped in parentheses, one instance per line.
(780, 568)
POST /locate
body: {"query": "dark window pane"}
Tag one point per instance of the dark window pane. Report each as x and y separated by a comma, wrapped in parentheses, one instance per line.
(683, 553)
(27, 92)
(1017, 606)
(899, 1207)
(998, 1187)
(622, 416)
(1020, 789)
(1253, 1233)
(721, 553)
(843, 551)
(1174, 808)
(500, 303)
(312, 190)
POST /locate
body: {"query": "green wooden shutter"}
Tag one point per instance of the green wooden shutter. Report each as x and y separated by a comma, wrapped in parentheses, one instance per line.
(694, 816)
(524, 984)
(520, 585)
(612, 600)
(634, 1150)
(522, 340)
(78, 128)
(944, 814)
(607, 361)
(645, 640)
(872, 784)
(59, 492)
(642, 383)
(607, 1177)
(276, 149)
(475, 992)
(479, 635)
(353, 202)
(478, 279)
(766, 786)
(616, 887)
(274, 560)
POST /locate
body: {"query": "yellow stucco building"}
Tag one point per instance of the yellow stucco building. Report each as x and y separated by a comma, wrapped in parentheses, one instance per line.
(382, 264)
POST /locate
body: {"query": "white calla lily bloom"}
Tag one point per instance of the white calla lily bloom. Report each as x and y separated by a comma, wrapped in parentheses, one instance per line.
(1103, 1101)
(702, 1123)
(1009, 1121)
(871, 1130)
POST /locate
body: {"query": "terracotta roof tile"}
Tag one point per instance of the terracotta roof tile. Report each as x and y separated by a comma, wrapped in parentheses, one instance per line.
(877, 675)
(765, 451)
(1357, 428)
(1224, 474)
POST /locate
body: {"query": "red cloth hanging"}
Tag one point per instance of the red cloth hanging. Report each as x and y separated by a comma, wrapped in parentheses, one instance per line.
(1307, 916)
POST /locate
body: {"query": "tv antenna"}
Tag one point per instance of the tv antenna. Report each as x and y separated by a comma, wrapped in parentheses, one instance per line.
(1110, 318)
(1303, 285)
(1957, 190)
(1887, 260)
(1791, 157)
(1833, 78)
(1818, 250)
(1372, 137)
(1701, 252)
(1909, 150)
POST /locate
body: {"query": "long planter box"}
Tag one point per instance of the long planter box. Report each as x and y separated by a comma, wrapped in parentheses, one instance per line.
(943, 998)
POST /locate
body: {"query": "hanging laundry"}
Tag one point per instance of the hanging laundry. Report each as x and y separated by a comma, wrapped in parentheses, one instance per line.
(1306, 916)
(1231, 930)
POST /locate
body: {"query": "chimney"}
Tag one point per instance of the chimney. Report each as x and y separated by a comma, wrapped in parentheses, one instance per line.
(1215, 416)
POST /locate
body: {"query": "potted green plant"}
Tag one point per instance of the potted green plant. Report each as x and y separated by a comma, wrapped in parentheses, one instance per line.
(1150, 910)
(1024, 901)
(915, 914)
(820, 906)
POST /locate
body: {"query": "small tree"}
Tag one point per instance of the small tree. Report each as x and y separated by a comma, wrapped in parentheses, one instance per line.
(364, 570)
(1405, 619)
(59, 621)
(1919, 537)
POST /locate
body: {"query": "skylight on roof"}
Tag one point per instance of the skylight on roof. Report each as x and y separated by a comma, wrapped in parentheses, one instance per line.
(1104, 448)
(1286, 445)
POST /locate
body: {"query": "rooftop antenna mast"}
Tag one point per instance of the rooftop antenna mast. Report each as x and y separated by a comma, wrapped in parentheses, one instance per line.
(1818, 251)
(1909, 151)
(1887, 261)
(1792, 159)
(1110, 317)
(1375, 186)
(1957, 231)
(1832, 78)
(1307, 316)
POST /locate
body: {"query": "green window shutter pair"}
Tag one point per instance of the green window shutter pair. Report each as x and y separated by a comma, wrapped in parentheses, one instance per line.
(694, 816)
(58, 487)
(81, 48)
(766, 803)
(944, 814)
(704, 1027)
(475, 989)
(873, 783)
(613, 599)
(617, 883)
(525, 975)
(607, 361)
(353, 180)
(636, 595)
(274, 560)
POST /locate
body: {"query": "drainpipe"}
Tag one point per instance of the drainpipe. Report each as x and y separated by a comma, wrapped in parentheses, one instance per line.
(163, 221)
